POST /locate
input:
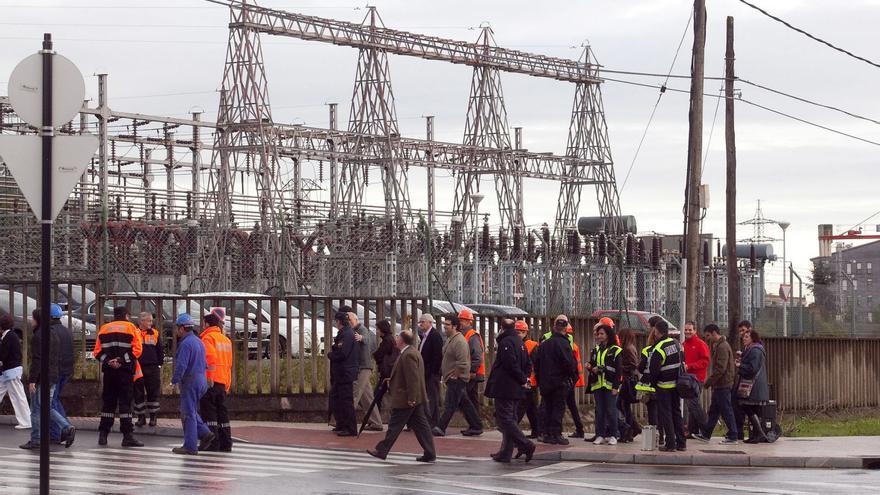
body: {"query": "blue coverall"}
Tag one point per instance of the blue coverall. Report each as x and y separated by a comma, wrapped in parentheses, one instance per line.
(189, 372)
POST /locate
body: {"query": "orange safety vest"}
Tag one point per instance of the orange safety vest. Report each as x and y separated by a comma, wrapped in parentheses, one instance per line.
(481, 371)
(119, 339)
(577, 356)
(218, 354)
(530, 346)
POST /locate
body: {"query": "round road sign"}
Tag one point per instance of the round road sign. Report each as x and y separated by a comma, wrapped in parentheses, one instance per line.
(26, 90)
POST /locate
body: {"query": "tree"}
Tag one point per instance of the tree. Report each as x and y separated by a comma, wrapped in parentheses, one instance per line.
(822, 279)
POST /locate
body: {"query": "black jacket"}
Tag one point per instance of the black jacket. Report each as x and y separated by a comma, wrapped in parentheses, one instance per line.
(36, 357)
(555, 365)
(10, 351)
(153, 353)
(345, 357)
(385, 356)
(432, 353)
(511, 368)
(65, 349)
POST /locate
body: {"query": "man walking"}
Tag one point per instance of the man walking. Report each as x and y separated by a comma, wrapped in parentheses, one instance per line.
(556, 371)
(528, 407)
(431, 349)
(455, 371)
(722, 373)
(65, 367)
(408, 397)
(478, 360)
(10, 373)
(696, 362)
(344, 362)
(148, 387)
(508, 384)
(363, 387)
(664, 363)
(118, 348)
(37, 380)
(212, 406)
(190, 365)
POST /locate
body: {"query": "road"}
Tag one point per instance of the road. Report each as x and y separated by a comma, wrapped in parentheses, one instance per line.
(251, 468)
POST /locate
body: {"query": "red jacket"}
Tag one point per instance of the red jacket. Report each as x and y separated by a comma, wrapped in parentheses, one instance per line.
(696, 357)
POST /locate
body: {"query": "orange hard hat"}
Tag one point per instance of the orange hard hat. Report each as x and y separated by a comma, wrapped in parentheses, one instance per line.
(465, 315)
(568, 329)
(521, 326)
(606, 321)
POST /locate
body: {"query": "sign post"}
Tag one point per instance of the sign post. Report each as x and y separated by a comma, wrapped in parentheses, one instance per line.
(46, 90)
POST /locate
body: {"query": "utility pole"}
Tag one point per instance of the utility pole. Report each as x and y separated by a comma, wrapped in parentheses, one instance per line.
(695, 152)
(734, 298)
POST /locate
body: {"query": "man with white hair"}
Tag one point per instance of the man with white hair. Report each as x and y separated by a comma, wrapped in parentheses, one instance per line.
(431, 348)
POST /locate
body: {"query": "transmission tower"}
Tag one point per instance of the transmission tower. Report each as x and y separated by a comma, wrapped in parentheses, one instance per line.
(758, 221)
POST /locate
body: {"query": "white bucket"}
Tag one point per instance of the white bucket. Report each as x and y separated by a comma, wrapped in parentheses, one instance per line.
(650, 439)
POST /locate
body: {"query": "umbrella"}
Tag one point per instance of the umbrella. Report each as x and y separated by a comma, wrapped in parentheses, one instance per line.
(381, 388)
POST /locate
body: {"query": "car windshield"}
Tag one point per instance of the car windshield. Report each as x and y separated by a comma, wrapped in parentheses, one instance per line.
(285, 309)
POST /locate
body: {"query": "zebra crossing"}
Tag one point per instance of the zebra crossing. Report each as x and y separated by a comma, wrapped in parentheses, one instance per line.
(109, 469)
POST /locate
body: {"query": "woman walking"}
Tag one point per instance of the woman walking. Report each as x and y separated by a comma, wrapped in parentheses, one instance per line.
(752, 388)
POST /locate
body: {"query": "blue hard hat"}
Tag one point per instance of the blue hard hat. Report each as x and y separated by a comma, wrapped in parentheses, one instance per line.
(55, 311)
(184, 320)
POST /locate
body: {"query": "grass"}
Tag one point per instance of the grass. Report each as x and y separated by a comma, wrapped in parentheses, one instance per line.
(832, 424)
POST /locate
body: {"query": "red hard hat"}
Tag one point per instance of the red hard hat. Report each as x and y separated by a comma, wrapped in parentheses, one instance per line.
(465, 315)
(606, 321)
(521, 326)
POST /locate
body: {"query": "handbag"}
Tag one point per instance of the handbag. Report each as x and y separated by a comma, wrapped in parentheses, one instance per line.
(744, 389)
(686, 384)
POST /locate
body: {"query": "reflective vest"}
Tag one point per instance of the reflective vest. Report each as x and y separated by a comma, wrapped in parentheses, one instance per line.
(481, 371)
(218, 354)
(664, 361)
(608, 377)
(119, 340)
(577, 357)
(530, 346)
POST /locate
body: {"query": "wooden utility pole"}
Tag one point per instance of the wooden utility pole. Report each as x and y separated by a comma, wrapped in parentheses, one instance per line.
(695, 154)
(734, 299)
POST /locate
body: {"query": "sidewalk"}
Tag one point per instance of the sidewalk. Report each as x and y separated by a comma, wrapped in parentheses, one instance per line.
(824, 452)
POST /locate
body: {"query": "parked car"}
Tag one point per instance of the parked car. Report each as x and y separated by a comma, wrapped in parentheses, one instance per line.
(499, 310)
(635, 320)
(67, 296)
(20, 306)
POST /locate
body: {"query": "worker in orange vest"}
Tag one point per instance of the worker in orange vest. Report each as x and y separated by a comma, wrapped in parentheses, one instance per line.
(148, 383)
(478, 363)
(118, 348)
(212, 406)
(529, 406)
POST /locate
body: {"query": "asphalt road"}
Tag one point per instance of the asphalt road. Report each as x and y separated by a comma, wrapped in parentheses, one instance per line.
(254, 469)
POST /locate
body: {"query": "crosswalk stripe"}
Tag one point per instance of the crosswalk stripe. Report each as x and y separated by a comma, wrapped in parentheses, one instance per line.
(204, 461)
(314, 457)
(731, 487)
(347, 455)
(171, 464)
(546, 470)
(64, 466)
(16, 490)
(96, 487)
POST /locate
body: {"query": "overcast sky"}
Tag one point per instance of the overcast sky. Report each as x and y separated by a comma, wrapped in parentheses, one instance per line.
(801, 174)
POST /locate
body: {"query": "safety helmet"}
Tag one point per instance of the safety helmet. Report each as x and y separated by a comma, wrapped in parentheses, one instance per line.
(55, 311)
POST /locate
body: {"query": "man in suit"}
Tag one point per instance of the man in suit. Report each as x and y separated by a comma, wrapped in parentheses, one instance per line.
(408, 397)
(431, 348)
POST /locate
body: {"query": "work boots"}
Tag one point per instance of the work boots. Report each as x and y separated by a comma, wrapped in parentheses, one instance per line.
(128, 440)
(142, 421)
(152, 420)
(102, 437)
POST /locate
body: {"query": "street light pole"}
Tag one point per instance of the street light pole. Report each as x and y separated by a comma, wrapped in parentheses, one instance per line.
(784, 226)
(476, 198)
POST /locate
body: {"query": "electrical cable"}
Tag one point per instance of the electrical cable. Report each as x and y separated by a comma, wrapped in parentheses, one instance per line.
(862, 222)
(808, 35)
(804, 100)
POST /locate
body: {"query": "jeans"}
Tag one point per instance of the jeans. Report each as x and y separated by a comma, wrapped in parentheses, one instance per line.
(54, 429)
(606, 413)
(54, 415)
(456, 398)
(721, 406)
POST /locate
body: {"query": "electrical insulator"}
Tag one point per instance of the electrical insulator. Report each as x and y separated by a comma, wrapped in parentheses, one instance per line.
(129, 212)
(588, 247)
(530, 246)
(162, 212)
(502, 243)
(642, 256)
(545, 235)
(601, 245)
(576, 248)
(753, 258)
(706, 254)
(628, 249)
(517, 243)
(484, 238)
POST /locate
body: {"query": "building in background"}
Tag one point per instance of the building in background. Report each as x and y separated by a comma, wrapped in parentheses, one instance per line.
(845, 285)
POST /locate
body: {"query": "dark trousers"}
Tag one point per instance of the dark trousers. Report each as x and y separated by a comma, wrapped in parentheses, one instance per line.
(456, 398)
(720, 407)
(554, 409)
(432, 408)
(511, 435)
(417, 421)
(529, 407)
(696, 415)
(651, 406)
(146, 391)
(669, 417)
(753, 413)
(342, 405)
(571, 403)
(54, 429)
(606, 413)
(212, 409)
(738, 414)
(116, 395)
(473, 393)
(624, 405)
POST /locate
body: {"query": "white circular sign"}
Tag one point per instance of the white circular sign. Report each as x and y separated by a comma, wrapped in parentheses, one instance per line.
(26, 90)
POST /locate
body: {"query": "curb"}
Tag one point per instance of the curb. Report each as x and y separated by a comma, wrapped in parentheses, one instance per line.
(699, 459)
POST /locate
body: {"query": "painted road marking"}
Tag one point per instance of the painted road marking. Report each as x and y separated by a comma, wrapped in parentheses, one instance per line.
(558, 467)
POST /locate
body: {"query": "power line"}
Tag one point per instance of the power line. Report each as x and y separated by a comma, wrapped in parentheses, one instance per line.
(808, 35)
(862, 222)
(804, 100)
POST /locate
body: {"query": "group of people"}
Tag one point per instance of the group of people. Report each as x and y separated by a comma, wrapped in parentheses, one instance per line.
(538, 380)
(130, 358)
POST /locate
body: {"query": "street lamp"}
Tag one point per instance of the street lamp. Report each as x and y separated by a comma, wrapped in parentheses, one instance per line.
(476, 198)
(784, 226)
